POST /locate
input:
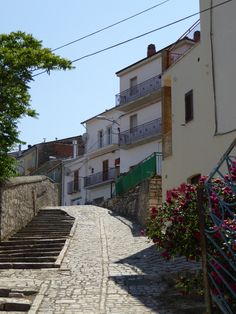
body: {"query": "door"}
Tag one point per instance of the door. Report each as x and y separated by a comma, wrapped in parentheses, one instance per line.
(105, 170)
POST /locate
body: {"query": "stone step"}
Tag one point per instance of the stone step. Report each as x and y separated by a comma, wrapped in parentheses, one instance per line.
(31, 247)
(45, 234)
(32, 242)
(38, 244)
(14, 304)
(24, 250)
(51, 253)
(27, 265)
(18, 259)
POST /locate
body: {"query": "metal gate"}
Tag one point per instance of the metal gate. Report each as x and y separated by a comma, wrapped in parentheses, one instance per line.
(221, 232)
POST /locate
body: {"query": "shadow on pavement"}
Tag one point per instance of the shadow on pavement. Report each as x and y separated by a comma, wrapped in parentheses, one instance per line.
(133, 225)
(151, 286)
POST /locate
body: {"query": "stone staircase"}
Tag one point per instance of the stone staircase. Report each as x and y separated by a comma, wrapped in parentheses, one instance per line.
(39, 244)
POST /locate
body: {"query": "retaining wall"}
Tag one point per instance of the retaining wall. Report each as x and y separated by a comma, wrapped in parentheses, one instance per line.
(20, 200)
(138, 201)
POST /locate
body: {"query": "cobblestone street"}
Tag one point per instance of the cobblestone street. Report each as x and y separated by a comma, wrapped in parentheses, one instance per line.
(107, 268)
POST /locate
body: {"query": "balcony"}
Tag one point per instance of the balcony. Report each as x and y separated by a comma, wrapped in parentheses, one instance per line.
(103, 146)
(101, 177)
(142, 132)
(139, 91)
(73, 187)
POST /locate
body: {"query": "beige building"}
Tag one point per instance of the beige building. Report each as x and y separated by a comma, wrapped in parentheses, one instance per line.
(199, 112)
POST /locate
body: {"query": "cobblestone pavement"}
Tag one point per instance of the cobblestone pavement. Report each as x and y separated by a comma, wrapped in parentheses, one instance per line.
(108, 268)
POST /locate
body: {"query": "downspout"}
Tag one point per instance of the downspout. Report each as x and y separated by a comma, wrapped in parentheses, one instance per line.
(213, 73)
(213, 67)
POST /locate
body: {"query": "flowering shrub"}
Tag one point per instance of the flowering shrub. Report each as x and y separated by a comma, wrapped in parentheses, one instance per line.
(174, 228)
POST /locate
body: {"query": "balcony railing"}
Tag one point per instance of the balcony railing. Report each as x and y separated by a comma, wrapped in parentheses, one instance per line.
(140, 132)
(173, 56)
(139, 91)
(101, 177)
(73, 187)
(103, 144)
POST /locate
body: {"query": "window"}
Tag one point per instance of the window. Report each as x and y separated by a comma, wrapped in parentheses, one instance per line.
(133, 121)
(189, 106)
(133, 86)
(76, 180)
(117, 162)
(109, 135)
(100, 138)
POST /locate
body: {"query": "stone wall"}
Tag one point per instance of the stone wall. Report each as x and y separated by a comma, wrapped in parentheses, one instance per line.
(137, 202)
(20, 200)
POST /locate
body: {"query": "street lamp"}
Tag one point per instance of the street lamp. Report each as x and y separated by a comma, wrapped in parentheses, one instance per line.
(107, 119)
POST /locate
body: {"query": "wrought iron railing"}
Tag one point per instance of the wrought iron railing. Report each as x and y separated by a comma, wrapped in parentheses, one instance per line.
(138, 91)
(221, 232)
(100, 177)
(146, 169)
(174, 56)
(141, 132)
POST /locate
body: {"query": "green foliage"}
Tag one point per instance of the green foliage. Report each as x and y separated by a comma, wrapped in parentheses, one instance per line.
(190, 283)
(20, 55)
(174, 228)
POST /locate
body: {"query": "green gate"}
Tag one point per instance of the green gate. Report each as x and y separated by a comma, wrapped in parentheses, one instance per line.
(146, 169)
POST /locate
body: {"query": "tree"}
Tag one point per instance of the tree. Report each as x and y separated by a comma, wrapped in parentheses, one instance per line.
(20, 55)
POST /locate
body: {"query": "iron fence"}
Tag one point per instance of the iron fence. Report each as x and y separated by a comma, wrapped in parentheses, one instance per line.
(138, 91)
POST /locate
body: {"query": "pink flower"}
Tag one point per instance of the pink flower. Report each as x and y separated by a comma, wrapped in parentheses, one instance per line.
(165, 255)
(174, 194)
(197, 236)
(169, 200)
(216, 277)
(180, 219)
(202, 179)
(143, 232)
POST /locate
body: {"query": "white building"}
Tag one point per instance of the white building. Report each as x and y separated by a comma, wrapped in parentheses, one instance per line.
(73, 173)
(140, 100)
(102, 156)
(199, 112)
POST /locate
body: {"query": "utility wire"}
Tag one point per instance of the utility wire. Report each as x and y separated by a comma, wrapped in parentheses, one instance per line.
(110, 26)
(144, 34)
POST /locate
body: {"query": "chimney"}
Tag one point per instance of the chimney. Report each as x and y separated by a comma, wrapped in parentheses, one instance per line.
(19, 151)
(151, 50)
(74, 148)
(197, 36)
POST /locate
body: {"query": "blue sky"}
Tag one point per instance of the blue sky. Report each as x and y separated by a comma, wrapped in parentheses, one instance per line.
(65, 98)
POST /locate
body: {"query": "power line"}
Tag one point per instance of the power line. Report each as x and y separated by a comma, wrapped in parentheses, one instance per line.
(144, 34)
(149, 32)
(110, 26)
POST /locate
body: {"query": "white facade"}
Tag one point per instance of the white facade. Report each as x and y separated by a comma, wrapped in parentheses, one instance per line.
(73, 172)
(140, 100)
(102, 157)
(199, 142)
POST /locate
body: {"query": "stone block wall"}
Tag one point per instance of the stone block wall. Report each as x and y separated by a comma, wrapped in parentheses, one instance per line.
(137, 202)
(20, 200)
